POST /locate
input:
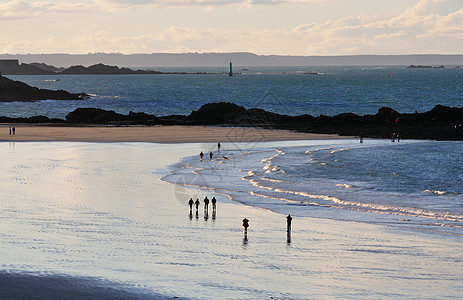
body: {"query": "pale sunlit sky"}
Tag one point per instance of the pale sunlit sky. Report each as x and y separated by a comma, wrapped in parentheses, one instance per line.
(285, 27)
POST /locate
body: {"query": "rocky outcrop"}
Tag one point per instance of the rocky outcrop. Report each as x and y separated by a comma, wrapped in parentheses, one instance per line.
(98, 69)
(101, 116)
(440, 123)
(11, 90)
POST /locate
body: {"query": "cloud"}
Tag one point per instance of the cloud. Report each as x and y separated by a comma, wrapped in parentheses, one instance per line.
(19, 9)
(128, 4)
(430, 26)
(418, 27)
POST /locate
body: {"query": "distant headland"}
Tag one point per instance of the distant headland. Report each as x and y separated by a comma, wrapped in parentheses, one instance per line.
(13, 67)
(239, 59)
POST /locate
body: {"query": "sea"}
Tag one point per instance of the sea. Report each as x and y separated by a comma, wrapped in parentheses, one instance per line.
(371, 220)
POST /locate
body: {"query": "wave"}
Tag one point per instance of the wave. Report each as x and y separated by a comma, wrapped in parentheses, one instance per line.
(261, 174)
(440, 193)
(334, 202)
(347, 186)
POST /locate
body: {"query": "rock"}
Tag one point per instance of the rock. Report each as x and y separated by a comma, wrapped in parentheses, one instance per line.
(216, 113)
(11, 90)
(101, 116)
(94, 116)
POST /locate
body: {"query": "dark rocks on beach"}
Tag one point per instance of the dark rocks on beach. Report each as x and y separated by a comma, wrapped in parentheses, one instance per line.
(440, 123)
(11, 90)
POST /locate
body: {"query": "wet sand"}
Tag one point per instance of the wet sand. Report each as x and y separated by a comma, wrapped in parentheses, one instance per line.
(154, 134)
(94, 220)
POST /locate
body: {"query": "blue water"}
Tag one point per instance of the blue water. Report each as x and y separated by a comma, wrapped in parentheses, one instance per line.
(406, 180)
(285, 90)
(414, 184)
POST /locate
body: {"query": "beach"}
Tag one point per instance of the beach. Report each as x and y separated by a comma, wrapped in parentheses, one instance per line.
(153, 134)
(80, 216)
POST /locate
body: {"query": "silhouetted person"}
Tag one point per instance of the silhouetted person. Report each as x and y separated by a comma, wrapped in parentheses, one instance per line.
(245, 225)
(190, 203)
(218, 146)
(14, 130)
(201, 154)
(213, 201)
(197, 205)
(210, 155)
(206, 205)
(10, 130)
(288, 228)
(288, 223)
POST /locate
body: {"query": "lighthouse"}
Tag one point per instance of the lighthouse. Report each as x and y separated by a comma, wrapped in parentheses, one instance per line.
(230, 70)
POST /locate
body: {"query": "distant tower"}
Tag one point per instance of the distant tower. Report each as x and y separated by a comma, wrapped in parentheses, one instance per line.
(230, 71)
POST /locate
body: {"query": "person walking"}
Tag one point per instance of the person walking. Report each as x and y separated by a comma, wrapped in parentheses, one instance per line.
(197, 205)
(190, 203)
(206, 205)
(214, 201)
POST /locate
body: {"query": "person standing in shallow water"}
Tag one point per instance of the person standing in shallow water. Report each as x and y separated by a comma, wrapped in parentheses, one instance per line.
(218, 146)
(245, 225)
(210, 155)
(288, 223)
(201, 154)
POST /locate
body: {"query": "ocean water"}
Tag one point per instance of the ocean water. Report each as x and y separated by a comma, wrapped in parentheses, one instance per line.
(286, 90)
(417, 185)
(99, 221)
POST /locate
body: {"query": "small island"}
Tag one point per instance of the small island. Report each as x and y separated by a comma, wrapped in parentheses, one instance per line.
(13, 67)
(11, 90)
(425, 67)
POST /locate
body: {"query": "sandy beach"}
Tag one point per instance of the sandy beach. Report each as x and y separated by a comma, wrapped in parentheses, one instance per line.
(154, 134)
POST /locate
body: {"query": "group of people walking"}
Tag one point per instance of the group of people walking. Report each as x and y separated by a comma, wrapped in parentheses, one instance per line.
(206, 202)
(201, 154)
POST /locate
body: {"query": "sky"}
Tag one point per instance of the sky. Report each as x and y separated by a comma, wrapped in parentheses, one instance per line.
(282, 27)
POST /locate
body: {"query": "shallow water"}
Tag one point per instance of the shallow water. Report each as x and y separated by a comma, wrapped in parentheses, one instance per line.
(99, 210)
(415, 184)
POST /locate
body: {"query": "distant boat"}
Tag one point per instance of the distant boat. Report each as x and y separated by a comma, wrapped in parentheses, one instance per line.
(311, 73)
